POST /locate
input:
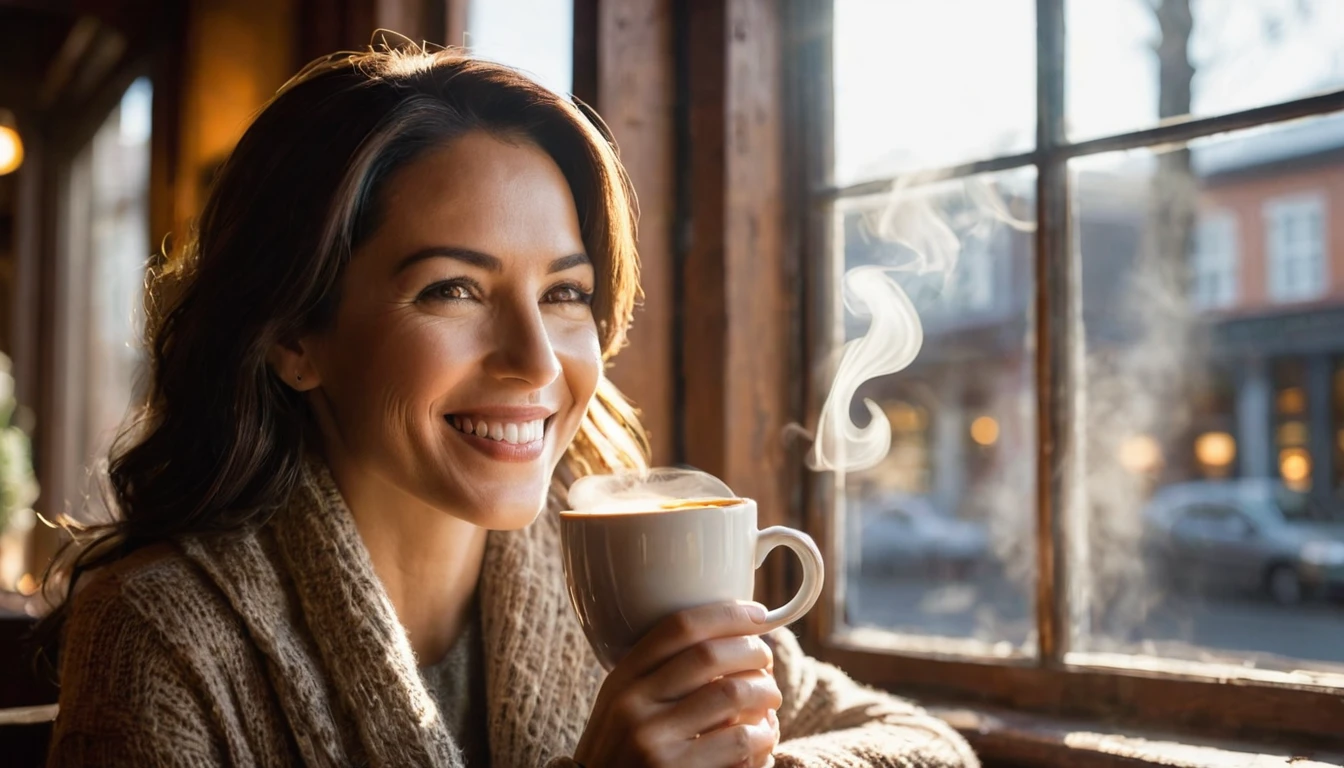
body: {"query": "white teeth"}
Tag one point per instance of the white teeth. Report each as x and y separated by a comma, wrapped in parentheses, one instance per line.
(517, 433)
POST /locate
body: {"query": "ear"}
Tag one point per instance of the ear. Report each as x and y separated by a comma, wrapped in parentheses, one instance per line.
(292, 363)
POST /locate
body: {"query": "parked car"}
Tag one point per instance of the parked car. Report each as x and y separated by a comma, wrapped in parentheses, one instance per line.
(1252, 534)
(909, 535)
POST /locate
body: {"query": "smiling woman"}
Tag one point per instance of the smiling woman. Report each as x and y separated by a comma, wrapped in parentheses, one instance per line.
(376, 371)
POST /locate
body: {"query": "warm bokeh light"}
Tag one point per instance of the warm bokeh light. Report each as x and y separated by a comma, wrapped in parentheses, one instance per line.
(1215, 449)
(1292, 433)
(11, 150)
(905, 417)
(27, 584)
(1295, 467)
(985, 430)
(1292, 400)
(1140, 453)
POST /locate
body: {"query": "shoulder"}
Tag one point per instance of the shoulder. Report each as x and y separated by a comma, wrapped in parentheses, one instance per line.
(132, 666)
(155, 606)
(157, 586)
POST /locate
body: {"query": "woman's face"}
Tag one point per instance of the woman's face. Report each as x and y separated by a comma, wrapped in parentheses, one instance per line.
(464, 351)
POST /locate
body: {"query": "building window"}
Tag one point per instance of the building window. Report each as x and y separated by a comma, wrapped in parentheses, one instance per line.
(974, 281)
(1295, 248)
(1292, 427)
(1215, 261)
(1337, 411)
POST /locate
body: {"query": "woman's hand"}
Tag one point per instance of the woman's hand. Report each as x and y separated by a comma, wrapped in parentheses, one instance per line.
(698, 690)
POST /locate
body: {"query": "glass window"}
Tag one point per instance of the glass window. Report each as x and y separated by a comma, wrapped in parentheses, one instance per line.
(1170, 416)
(1133, 63)
(101, 293)
(1180, 474)
(1295, 247)
(920, 84)
(1214, 264)
(938, 535)
(536, 36)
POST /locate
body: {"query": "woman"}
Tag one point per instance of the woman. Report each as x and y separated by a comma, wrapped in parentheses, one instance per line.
(379, 362)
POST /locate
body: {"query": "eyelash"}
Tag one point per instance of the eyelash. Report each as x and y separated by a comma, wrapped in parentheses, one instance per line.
(436, 291)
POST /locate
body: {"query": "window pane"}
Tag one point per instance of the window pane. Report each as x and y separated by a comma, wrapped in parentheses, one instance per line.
(1188, 409)
(923, 84)
(118, 251)
(1132, 62)
(536, 36)
(937, 538)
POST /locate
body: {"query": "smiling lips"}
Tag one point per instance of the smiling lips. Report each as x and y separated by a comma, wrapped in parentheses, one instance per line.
(515, 432)
(505, 434)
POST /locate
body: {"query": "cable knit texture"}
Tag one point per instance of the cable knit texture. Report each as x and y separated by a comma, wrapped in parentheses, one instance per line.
(280, 647)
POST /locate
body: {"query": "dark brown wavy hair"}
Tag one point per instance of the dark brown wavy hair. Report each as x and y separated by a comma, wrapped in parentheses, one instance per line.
(218, 443)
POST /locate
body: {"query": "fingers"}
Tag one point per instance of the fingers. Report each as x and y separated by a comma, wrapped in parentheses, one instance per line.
(742, 744)
(697, 666)
(681, 630)
(724, 701)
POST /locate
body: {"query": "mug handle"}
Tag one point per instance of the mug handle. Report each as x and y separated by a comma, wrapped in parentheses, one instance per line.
(806, 550)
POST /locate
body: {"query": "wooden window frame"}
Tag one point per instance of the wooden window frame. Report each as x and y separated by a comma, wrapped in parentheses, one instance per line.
(1139, 691)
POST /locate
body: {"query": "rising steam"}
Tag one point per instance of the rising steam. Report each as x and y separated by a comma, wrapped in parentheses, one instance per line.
(894, 338)
(643, 491)
(914, 220)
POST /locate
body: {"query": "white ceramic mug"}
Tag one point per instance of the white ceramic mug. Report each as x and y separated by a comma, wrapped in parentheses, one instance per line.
(626, 571)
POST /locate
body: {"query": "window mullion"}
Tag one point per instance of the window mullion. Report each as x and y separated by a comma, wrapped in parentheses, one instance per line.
(1054, 330)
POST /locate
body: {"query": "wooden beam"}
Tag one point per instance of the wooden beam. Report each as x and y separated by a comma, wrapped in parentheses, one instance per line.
(455, 22)
(168, 78)
(624, 66)
(736, 344)
(67, 61)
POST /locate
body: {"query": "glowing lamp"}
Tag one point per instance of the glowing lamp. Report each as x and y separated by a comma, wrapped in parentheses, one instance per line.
(1295, 467)
(11, 146)
(1215, 449)
(985, 431)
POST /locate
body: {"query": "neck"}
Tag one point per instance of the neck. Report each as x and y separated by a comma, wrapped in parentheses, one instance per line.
(428, 561)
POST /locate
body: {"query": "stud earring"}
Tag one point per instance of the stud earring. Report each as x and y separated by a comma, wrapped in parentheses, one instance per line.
(299, 377)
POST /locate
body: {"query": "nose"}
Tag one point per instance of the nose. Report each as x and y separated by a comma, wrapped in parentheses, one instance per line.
(522, 352)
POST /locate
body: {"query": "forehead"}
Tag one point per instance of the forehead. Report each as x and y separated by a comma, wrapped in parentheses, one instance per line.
(502, 196)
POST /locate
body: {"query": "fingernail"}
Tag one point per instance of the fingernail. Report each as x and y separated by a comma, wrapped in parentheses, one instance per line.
(757, 612)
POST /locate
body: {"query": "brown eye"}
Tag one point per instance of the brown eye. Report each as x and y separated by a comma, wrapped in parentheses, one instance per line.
(451, 290)
(568, 294)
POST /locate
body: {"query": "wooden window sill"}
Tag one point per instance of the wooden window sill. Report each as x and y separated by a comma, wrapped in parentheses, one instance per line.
(1008, 738)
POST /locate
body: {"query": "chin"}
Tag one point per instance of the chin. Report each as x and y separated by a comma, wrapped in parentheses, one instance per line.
(498, 511)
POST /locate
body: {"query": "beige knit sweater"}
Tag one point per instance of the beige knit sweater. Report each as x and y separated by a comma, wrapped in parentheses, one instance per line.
(281, 647)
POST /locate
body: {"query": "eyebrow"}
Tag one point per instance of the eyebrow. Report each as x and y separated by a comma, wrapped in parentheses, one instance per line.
(484, 260)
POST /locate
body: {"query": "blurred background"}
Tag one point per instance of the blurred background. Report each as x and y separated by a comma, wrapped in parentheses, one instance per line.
(1195, 289)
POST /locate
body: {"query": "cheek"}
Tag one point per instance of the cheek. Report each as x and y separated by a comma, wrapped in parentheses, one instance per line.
(580, 355)
(401, 364)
